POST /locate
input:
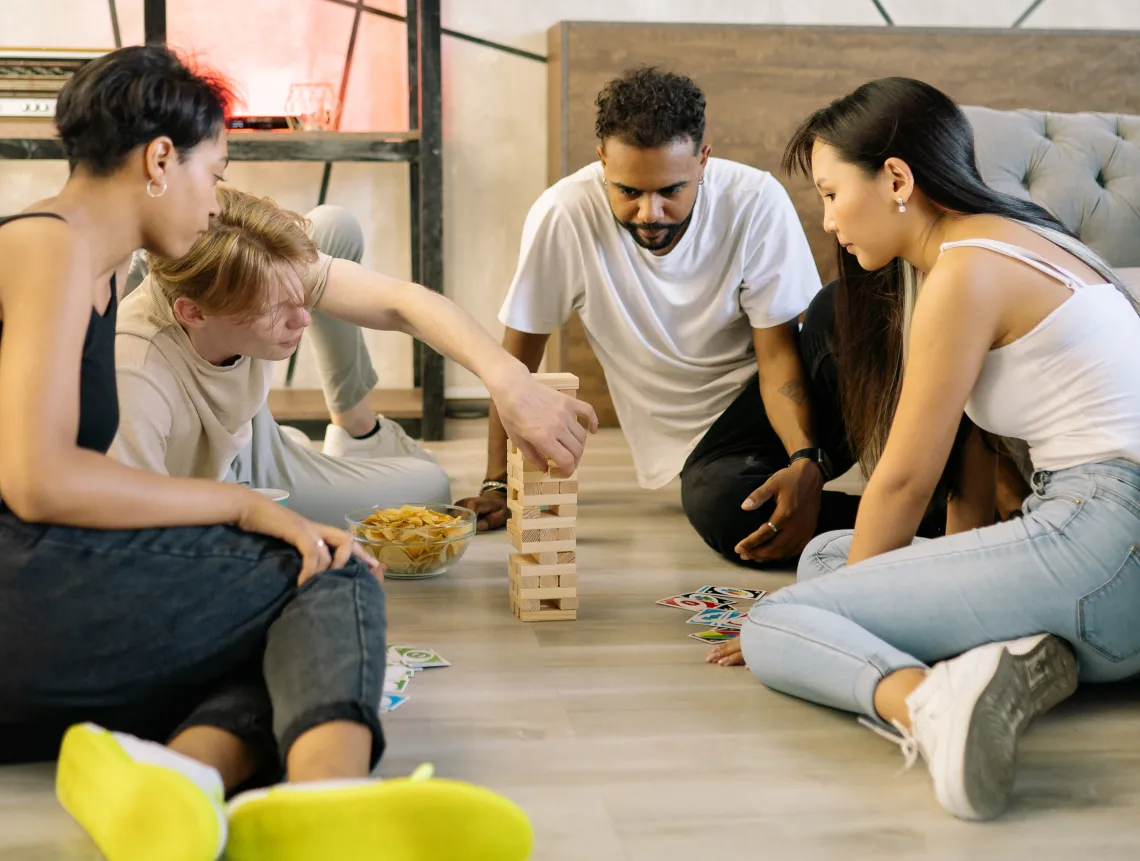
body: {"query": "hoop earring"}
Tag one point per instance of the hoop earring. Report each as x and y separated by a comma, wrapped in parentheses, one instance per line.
(161, 188)
(701, 181)
(902, 206)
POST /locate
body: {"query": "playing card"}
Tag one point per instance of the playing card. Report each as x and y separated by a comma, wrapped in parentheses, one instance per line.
(718, 618)
(693, 602)
(396, 678)
(715, 636)
(731, 592)
(420, 658)
(391, 702)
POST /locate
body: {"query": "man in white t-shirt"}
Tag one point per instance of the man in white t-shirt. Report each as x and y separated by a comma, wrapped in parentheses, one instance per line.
(197, 341)
(689, 274)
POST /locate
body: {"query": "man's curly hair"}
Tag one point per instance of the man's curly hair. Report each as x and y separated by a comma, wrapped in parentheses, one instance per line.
(647, 107)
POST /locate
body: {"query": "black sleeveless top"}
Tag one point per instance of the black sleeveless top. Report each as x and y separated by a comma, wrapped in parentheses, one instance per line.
(98, 394)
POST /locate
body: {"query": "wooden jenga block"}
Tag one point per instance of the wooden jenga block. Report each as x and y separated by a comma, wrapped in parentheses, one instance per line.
(567, 556)
(548, 557)
(561, 382)
(527, 565)
(568, 487)
(533, 541)
(546, 521)
(547, 615)
(563, 509)
(568, 581)
(568, 603)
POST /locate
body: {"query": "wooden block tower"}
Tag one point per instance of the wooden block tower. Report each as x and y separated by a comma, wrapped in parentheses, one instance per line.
(543, 531)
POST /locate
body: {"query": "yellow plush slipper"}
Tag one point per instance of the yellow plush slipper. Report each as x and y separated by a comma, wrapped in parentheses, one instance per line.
(408, 819)
(138, 800)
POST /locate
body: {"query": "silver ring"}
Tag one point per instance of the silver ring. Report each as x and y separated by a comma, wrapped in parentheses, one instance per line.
(321, 542)
(775, 529)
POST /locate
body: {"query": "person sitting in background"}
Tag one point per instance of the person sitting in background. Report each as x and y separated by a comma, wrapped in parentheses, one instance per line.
(993, 309)
(197, 341)
(689, 274)
(171, 638)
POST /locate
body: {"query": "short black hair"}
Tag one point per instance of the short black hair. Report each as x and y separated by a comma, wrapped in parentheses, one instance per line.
(647, 107)
(131, 96)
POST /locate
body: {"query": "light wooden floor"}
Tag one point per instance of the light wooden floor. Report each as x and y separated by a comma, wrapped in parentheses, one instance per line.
(623, 746)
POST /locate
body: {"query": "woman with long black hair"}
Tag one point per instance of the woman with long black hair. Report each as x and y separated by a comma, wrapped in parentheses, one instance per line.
(968, 301)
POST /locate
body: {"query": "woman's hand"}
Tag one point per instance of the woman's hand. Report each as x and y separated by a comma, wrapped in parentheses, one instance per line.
(543, 422)
(321, 547)
(726, 654)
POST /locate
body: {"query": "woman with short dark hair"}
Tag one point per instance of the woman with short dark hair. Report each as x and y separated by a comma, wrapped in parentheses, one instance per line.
(140, 607)
(992, 309)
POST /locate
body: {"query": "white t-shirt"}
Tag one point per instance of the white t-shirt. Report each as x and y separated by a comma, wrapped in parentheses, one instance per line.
(673, 333)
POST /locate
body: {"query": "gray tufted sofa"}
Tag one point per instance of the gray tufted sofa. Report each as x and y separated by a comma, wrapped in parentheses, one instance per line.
(1084, 168)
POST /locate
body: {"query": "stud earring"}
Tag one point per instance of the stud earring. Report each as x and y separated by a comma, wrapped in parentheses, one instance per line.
(902, 206)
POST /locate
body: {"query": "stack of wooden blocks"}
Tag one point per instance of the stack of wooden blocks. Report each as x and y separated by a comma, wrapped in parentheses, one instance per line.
(543, 531)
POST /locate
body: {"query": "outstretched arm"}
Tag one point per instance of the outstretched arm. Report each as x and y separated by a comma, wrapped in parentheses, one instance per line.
(544, 423)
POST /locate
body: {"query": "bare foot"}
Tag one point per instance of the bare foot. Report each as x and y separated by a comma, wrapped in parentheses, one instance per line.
(726, 654)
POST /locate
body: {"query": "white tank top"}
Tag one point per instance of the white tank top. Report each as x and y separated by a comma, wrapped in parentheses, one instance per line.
(1071, 387)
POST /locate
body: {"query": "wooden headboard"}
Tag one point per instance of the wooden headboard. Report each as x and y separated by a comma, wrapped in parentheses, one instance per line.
(761, 82)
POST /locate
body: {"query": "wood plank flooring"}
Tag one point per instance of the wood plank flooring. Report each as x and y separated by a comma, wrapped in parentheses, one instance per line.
(622, 745)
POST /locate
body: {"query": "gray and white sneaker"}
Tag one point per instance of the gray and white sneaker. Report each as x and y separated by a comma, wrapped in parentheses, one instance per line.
(969, 714)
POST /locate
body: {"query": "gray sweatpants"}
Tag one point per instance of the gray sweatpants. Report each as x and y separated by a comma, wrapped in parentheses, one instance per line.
(325, 488)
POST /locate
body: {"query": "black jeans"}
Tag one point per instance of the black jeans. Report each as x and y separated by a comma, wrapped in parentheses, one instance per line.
(742, 450)
(153, 631)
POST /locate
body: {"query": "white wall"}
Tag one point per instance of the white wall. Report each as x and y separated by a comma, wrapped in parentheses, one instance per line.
(494, 106)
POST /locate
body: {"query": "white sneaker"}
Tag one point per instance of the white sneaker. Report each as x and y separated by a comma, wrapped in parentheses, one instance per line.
(138, 800)
(969, 714)
(389, 441)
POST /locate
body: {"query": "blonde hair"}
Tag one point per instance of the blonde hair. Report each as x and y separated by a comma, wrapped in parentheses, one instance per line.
(227, 270)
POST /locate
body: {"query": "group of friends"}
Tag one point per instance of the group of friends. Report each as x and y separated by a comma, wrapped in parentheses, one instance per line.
(177, 639)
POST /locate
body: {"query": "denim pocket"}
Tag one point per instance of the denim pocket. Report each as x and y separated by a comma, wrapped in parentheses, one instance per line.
(1108, 616)
(1060, 501)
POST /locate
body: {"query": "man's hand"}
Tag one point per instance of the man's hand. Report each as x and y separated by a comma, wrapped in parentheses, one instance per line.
(796, 491)
(491, 509)
(542, 422)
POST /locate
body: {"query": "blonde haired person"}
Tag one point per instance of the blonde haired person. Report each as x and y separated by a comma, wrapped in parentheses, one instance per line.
(197, 344)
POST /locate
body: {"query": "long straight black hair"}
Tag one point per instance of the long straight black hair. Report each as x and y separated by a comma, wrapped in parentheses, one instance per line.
(912, 121)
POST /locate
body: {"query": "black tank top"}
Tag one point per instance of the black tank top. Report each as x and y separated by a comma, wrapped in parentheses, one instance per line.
(98, 394)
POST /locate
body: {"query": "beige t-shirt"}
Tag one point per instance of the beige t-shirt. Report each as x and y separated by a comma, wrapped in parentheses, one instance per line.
(180, 415)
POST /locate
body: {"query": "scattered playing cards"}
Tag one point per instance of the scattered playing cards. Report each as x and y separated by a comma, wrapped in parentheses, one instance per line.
(715, 636)
(413, 656)
(718, 618)
(391, 702)
(731, 592)
(714, 607)
(403, 662)
(694, 602)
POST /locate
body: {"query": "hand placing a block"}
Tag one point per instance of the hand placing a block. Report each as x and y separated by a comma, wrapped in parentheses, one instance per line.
(543, 422)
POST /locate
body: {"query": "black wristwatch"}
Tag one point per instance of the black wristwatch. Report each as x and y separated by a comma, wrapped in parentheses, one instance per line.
(818, 456)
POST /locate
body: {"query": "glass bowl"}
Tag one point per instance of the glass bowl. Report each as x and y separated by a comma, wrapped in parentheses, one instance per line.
(410, 556)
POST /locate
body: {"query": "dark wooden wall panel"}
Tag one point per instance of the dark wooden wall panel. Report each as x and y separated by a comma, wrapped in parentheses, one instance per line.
(762, 81)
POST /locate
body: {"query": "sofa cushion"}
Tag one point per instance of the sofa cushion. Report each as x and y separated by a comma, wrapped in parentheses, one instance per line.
(1083, 168)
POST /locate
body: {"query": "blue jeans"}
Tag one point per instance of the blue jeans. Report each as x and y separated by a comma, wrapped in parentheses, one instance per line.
(154, 631)
(1069, 567)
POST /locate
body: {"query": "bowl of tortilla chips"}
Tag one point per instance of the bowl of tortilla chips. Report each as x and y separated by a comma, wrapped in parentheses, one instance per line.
(414, 541)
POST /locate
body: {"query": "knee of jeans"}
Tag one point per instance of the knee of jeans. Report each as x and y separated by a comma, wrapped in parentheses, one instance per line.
(337, 232)
(813, 560)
